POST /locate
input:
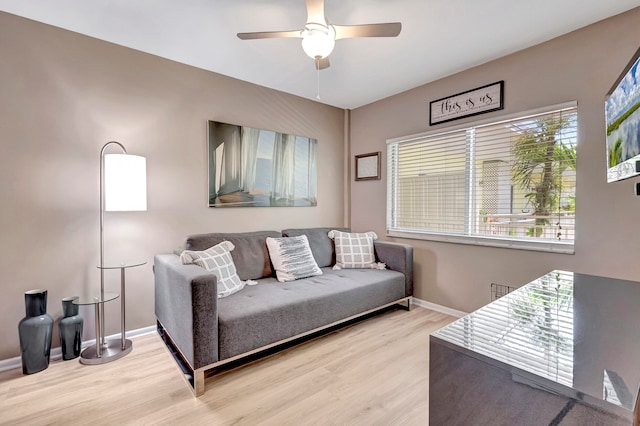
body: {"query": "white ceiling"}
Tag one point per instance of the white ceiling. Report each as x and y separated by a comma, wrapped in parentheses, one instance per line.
(438, 38)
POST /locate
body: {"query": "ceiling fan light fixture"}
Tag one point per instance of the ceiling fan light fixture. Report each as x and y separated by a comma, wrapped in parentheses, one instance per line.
(319, 36)
(318, 40)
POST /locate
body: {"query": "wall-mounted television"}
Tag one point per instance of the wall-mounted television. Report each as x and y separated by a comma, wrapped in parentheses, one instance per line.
(251, 167)
(622, 118)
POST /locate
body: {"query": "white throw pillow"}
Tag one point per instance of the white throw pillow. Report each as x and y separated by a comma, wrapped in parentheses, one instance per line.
(218, 260)
(292, 258)
(354, 250)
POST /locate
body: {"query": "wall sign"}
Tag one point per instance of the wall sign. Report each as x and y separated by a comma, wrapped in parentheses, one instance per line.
(472, 102)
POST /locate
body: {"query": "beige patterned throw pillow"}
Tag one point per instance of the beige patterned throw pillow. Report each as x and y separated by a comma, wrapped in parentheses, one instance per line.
(218, 260)
(355, 250)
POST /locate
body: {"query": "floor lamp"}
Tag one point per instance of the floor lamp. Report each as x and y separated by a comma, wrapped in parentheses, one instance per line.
(123, 187)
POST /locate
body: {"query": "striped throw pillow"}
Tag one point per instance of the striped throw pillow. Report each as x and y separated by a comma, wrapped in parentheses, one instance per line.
(292, 258)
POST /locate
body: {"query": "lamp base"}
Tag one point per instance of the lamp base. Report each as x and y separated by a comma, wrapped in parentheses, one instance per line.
(111, 351)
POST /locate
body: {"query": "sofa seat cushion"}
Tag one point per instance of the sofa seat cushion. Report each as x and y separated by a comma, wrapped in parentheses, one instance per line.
(272, 311)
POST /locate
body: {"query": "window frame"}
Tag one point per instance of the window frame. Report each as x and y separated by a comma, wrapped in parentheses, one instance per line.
(545, 245)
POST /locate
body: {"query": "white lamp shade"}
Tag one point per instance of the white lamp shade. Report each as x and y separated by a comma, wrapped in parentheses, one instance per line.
(318, 42)
(125, 182)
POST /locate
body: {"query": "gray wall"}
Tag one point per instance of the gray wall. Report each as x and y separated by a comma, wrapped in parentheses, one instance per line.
(581, 66)
(62, 96)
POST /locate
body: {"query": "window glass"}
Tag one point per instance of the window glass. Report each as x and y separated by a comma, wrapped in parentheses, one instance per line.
(507, 183)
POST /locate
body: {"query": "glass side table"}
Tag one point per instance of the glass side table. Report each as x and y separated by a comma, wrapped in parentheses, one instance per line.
(106, 351)
(93, 353)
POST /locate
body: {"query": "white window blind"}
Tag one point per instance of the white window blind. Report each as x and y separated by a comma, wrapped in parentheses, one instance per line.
(506, 183)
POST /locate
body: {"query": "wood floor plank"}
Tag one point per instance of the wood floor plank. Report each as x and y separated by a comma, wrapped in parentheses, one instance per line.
(373, 372)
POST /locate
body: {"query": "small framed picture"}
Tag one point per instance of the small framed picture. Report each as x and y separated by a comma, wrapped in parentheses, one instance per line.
(368, 166)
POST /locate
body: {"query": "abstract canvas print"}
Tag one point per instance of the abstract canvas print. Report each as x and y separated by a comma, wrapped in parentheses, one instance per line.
(251, 167)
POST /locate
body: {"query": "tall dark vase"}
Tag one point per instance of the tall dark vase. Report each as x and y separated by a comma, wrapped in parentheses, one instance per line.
(70, 327)
(35, 332)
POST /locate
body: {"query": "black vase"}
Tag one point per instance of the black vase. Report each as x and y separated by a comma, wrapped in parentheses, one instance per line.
(70, 327)
(35, 332)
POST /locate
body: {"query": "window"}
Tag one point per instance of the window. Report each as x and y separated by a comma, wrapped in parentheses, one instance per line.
(509, 183)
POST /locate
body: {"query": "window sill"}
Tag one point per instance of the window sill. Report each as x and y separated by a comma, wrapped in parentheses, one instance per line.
(549, 246)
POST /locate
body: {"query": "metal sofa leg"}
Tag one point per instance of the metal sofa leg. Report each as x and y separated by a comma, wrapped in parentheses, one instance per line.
(406, 304)
(198, 383)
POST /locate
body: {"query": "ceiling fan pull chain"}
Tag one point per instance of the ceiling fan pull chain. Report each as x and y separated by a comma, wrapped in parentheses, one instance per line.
(318, 77)
(319, 36)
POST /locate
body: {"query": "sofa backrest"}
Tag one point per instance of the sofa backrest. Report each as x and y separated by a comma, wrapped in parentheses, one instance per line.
(250, 255)
(322, 247)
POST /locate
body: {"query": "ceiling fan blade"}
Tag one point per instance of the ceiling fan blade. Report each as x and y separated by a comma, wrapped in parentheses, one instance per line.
(269, 34)
(322, 63)
(315, 12)
(391, 29)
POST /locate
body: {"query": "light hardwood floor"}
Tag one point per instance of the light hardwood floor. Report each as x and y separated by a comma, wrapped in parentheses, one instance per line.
(375, 372)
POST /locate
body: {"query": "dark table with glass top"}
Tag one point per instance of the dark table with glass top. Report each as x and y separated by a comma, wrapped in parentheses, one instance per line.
(561, 350)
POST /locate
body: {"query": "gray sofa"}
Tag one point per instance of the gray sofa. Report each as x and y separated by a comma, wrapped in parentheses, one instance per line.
(205, 332)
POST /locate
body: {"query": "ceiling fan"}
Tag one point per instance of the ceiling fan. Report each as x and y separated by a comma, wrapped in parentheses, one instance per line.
(319, 37)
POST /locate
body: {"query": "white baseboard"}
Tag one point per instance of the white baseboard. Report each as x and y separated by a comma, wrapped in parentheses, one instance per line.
(438, 308)
(56, 353)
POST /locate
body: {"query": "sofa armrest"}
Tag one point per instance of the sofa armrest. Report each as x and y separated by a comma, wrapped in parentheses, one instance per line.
(186, 304)
(398, 257)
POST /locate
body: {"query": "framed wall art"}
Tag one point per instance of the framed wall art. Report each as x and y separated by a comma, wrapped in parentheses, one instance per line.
(368, 166)
(251, 167)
